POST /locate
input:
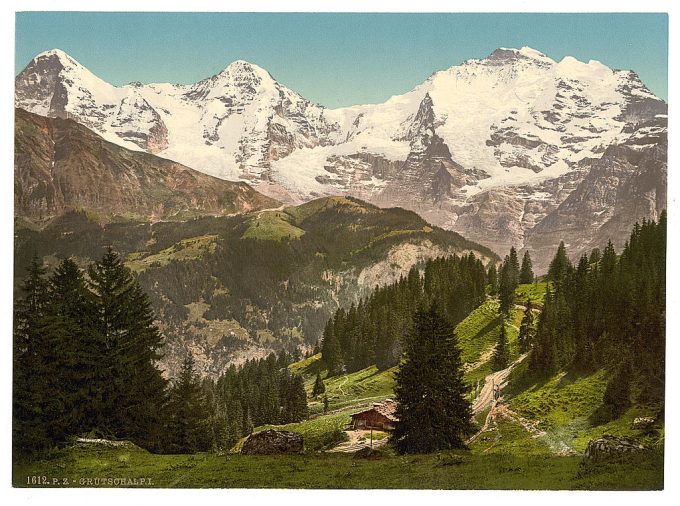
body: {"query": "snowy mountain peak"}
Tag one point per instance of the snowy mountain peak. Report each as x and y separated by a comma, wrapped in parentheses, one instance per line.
(504, 55)
(58, 54)
(488, 148)
(242, 66)
(530, 52)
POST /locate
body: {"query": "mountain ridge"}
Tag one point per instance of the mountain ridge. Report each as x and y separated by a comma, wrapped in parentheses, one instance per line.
(61, 165)
(518, 127)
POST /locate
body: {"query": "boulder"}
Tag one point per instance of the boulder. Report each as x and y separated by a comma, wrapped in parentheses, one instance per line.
(272, 442)
(609, 447)
(644, 423)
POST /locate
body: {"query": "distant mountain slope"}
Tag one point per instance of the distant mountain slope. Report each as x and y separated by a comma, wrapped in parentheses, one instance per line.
(61, 165)
(236, 287)
(489, 148)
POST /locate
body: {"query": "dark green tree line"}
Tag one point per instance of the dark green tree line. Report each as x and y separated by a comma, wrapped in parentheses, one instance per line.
(372, 332)
(608, 311)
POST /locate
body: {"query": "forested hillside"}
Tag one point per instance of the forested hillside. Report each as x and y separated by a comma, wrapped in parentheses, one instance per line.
(242, 286)
(373, 331)
(609, 311)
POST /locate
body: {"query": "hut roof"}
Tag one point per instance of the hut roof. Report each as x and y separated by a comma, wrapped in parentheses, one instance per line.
(387, 408)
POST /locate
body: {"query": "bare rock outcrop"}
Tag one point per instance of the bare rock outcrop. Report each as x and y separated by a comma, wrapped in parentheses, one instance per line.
(273, 442)
(610, 447)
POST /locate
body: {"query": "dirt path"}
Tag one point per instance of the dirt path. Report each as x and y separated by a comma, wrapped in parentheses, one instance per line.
(359, 439)
(500, 410)
(341, 385)
(485, 397)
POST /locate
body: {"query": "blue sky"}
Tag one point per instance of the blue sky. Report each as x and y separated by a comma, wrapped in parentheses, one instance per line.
(336, 59)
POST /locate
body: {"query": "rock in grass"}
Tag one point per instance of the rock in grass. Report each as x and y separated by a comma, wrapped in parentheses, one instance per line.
(272, 442)
(644, 423)
(610, 447)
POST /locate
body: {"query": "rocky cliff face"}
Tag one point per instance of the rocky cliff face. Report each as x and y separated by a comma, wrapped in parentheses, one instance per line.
(60, 165)
(627, 183)
(489, 148)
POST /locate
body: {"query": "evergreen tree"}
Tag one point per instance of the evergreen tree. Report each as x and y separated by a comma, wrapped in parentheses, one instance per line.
(325, 403)
(78, 352)
(36, 388)
(507, 285)
(330, 349)
(526, 273)
(560, 265)
(433, 412)
(319, 387)
(492, 277)
(131, 390)
(188, 415)
(616, 399)
(501, 354)
(293, 398)
(513, 265)
(542, 354)
(526, 328)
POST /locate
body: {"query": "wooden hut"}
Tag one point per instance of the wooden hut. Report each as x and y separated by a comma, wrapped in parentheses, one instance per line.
(381, 416)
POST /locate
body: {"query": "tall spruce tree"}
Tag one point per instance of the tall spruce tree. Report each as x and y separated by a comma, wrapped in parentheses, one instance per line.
(501, 354)
(507, 285)
(526, 328)
(318, 387)
(36, 383)
(330, 349)
(188, 423)
(79, 353)
(433, 412)
(131, 388)
(513, 266)
(526, 273)
(560, 265)
(492, 278)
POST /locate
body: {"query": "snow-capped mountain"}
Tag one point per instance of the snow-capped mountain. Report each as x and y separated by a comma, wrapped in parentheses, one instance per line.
(231, 125)
(490, 148)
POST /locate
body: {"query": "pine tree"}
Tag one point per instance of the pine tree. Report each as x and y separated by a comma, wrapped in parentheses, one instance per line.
(492, 277)
(36, 388)
(560, 265)
(513, 265)
(526, 273)
(325, 403)
(299, 409)
(433, 412)
(507, 285)
(501, 354)
(319, 387)
(79, 353)
(131, 389)
(188, 416)
(526, 328)
(330, 349)
(616, 399)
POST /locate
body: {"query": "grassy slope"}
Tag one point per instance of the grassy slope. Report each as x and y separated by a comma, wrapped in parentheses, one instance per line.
(359, 387)
(564, 403)
(186, 249)
(478, 334)
(272, 226)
